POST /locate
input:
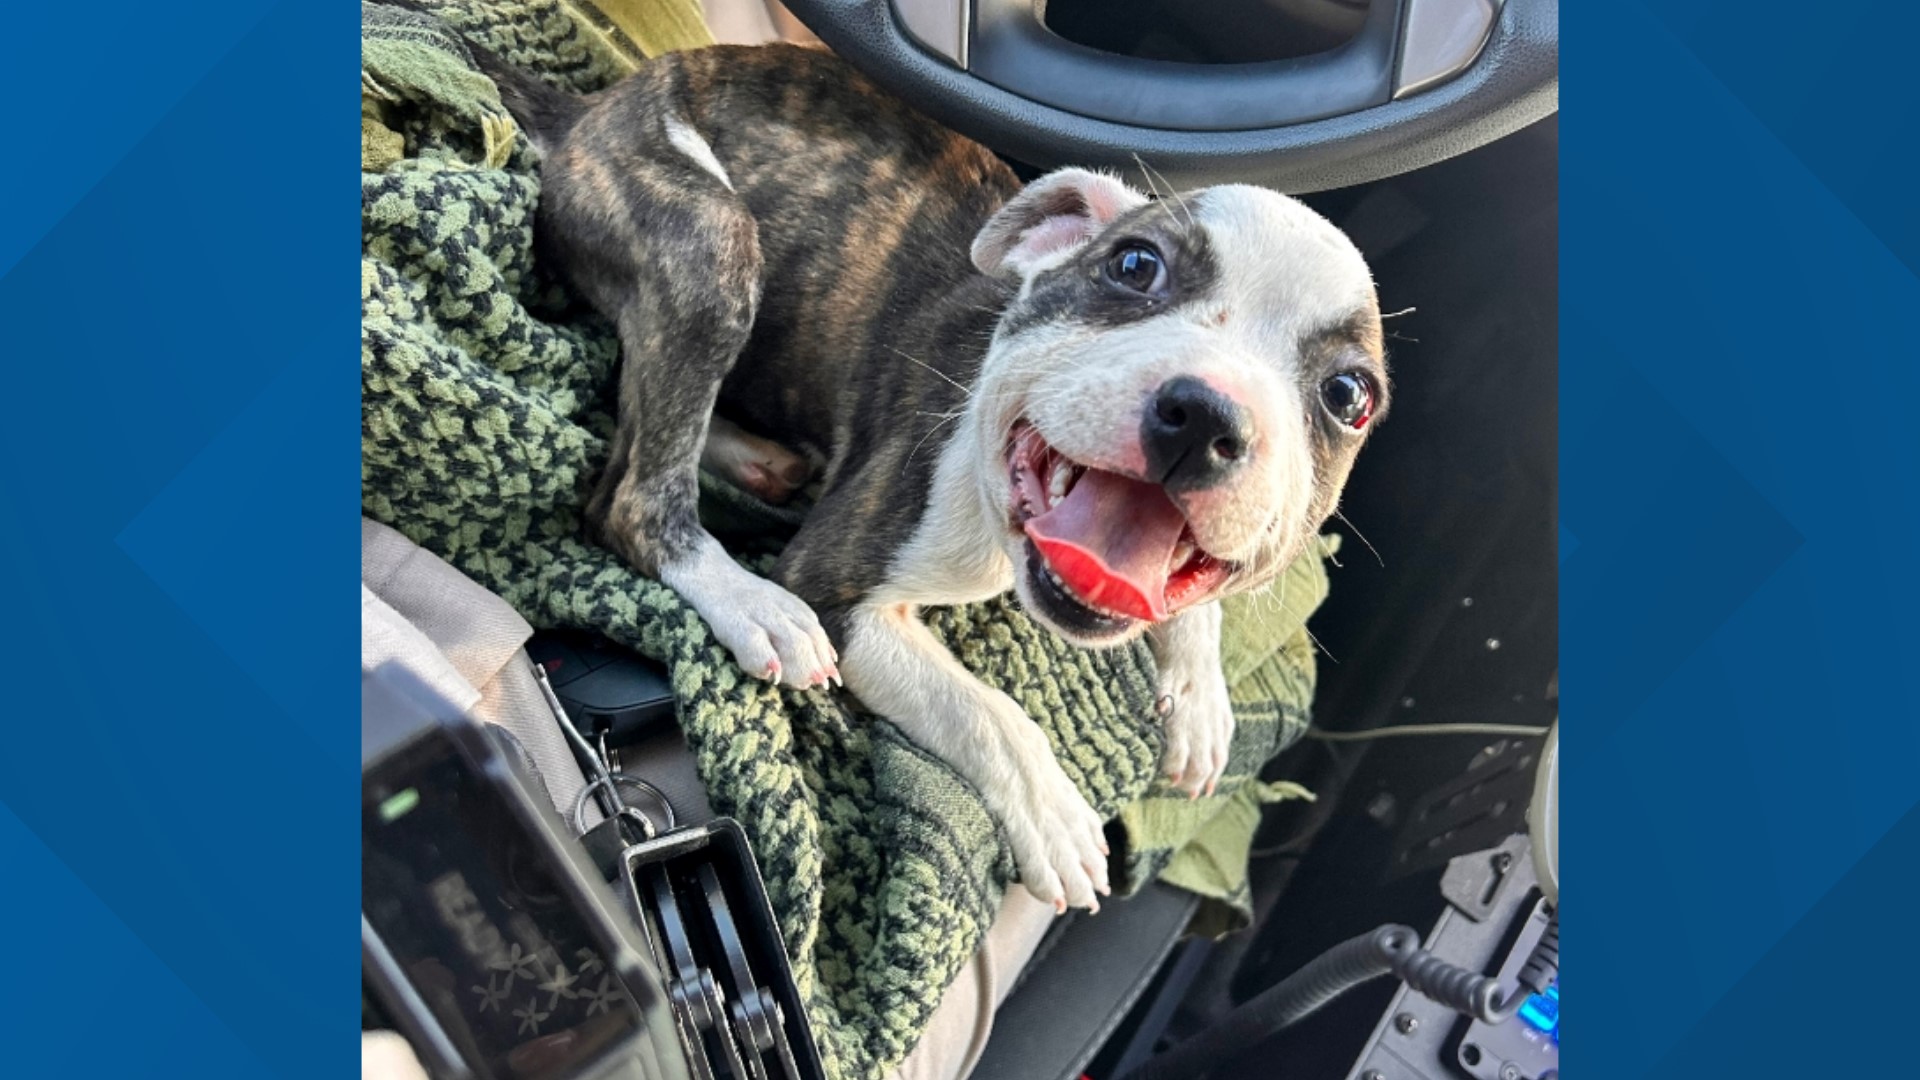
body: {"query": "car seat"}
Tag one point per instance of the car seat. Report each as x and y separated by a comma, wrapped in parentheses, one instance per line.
(1084, 978)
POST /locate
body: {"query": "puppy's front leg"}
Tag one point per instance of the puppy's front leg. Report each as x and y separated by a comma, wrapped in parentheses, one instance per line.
(1193, 698)
(901, 671)
(683, 293)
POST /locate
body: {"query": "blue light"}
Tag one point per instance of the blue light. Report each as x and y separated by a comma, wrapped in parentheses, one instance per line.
(1543, 1011)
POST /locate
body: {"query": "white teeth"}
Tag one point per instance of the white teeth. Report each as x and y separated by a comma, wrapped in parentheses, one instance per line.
(1182, 552)
(1047, 572)
(1061, 480)
(1057, 486)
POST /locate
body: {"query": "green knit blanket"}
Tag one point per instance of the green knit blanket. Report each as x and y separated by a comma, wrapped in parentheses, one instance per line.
(487, 401)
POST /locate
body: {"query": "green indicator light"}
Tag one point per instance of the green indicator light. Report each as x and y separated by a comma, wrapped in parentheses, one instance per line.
(398, 804)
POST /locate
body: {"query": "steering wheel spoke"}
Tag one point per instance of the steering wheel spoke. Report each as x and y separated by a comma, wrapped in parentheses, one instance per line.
(1419, 81)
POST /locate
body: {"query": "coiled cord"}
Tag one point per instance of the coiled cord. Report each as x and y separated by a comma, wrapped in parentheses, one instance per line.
(1390, 949)
(1470, 993)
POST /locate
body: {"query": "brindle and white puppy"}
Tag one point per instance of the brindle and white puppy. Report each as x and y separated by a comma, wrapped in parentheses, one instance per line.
(1124, 409)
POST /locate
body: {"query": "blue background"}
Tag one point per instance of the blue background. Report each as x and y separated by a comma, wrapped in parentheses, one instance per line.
(1739, 243)
(178, 494)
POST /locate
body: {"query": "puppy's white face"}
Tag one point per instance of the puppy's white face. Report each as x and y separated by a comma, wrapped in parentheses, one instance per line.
(1173, 401)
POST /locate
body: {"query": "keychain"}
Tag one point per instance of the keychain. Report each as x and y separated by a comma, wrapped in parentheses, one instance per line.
(629, 823)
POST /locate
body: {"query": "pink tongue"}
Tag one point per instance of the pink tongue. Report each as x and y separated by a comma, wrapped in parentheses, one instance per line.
(1110, 540)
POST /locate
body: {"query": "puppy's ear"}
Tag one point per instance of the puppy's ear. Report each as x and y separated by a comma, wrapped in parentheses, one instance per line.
(1054, 214)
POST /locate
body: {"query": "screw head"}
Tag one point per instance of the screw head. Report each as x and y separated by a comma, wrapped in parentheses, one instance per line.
(1373, 1074)
(1405, 1023)
(1509, 1071)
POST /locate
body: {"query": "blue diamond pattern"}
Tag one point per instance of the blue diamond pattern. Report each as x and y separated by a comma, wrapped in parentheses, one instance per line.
(176, 503)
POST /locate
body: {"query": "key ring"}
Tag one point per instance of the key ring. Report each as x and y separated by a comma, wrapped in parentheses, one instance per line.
(612, 783)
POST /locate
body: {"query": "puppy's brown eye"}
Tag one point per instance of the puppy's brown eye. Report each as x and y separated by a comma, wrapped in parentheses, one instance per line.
(1137, 267)
(1348, 398)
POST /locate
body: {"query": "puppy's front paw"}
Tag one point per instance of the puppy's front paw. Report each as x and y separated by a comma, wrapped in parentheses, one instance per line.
(773, 634)
(1057, 839)
(1199, 720)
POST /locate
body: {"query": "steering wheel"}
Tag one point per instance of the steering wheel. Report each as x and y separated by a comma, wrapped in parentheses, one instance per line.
(1420, 81)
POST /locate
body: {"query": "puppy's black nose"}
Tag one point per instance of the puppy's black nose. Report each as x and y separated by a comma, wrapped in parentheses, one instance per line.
(1194, 436)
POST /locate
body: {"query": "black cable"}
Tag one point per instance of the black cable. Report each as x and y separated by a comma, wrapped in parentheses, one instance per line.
(1518, 731)
(1389, 949)
(1324, 978)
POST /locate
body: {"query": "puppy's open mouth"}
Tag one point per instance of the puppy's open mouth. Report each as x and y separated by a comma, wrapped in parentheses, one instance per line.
(1115, 546)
